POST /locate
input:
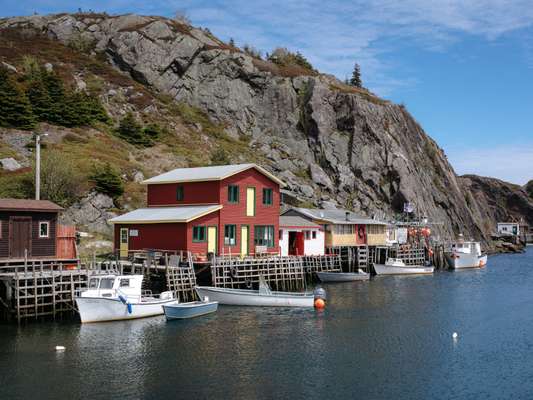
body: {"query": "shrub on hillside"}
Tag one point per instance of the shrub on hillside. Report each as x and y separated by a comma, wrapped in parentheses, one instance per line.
(219, 157)
(529, 188)
(283, 57)
(132, 131)
(107, 180)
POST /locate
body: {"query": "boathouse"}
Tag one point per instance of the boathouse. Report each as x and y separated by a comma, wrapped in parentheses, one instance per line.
(229, 209)
(299, 236)
(344, 228)
(28, 228)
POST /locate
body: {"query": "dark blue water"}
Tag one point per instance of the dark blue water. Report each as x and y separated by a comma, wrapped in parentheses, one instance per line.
(390, 338)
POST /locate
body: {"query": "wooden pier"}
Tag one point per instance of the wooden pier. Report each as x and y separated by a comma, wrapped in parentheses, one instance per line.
(31, 289)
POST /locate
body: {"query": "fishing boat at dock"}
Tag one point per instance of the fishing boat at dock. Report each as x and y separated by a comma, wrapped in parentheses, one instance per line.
(330, 277)
(396, 266)
(465, 254)
(119, 297)
(260, 297)
(188, 310)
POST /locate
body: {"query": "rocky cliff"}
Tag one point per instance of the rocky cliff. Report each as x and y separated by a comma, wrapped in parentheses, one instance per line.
(333, 144)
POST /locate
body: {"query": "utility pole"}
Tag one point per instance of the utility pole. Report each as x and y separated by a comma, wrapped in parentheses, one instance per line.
(38, 165)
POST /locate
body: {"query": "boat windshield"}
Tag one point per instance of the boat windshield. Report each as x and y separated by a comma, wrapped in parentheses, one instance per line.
(107, 283)
(93, 283)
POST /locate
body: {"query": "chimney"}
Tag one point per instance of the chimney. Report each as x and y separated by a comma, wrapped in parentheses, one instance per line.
(347, 215)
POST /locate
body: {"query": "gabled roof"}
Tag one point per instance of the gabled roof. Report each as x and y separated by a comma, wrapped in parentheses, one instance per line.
(335, 216)
(202, 174)
(154, 215)
(29, 205)
(294, 221)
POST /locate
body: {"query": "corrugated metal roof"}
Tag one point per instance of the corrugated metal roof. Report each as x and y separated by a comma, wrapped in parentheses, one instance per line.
(214, 173)
(164, 214)
(29, 205)
(290, 220)
(336, 216)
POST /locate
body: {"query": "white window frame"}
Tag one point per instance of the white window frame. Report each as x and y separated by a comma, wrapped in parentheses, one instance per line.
(47, 236)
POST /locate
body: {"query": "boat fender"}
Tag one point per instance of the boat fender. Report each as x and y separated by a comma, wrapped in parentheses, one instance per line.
(130, 308)
(233, 272)
(319, 293)
(248, 284)
(122, 299)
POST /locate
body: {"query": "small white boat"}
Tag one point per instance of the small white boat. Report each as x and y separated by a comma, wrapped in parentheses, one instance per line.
(261, 297)
(191, 309)
(396, 266)
(343, 276)
(118, 297)
(465, 255)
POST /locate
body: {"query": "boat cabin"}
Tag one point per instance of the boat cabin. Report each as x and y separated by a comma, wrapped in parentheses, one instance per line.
(228, 209)
(299, 236)
(344, 228)
(28, 228)
(467, 248)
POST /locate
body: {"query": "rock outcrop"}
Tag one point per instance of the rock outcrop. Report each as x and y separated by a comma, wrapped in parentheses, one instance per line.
(91, 213)
(331, 143)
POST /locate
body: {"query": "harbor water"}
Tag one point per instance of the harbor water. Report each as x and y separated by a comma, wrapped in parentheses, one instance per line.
(390, 338)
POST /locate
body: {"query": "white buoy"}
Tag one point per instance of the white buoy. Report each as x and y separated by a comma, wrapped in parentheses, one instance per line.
(60, 348)
(455, 335)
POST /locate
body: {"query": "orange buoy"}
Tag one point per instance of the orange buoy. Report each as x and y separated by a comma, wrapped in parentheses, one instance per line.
(320, 304)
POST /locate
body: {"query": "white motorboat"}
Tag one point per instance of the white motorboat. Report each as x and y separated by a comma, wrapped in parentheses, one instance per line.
(261, 297)
(465, 255)
(360, 275)
(396, 266)
(119, 297)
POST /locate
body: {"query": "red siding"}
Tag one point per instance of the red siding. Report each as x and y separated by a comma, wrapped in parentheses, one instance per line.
(194, 193)
(169, 236)
(360, 234)
(212, 219)
(236, 213)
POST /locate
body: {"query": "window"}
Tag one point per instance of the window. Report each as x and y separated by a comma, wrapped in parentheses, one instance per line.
(107, 283)
(233, 194)
(264, 235)
(344, 229)
(267, 197)
(0, 229)
(307, 235)
(230, 235)
(93, 283)
(314, 235)
(44, 229)
(180, 193)
(124, 235)
(198, 233)
(124, 283)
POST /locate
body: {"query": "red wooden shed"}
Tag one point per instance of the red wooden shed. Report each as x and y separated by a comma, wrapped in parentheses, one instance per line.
(28, 228)
(229, 209)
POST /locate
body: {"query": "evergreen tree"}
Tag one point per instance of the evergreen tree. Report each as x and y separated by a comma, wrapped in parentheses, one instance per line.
(153, 131)
(40, 100)
(108, 181)
(231, 42)
(131, 131)
(15, 108)
(56, 91)
(356, 77)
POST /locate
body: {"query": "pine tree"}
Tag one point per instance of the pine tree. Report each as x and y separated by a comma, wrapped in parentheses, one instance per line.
(131, 131)
(56, 91)
(107, 180)
(356, 77)
(231, 42)
(15, 108)
(40, 100)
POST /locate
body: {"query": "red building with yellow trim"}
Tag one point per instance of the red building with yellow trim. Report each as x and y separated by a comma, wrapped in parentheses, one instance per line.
(230, 209)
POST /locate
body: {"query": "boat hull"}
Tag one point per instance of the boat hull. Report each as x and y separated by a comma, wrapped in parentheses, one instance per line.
(189, 310)
(464, 261)
(342, 276)
(382, 269)
(101, 309)
(237, 297)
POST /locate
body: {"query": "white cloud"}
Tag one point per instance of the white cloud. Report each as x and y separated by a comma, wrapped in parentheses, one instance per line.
(510, 163)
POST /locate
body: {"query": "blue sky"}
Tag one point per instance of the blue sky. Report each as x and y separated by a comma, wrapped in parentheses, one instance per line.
(464, 69)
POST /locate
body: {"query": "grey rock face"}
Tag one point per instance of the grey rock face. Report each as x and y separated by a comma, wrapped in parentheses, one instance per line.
(10, 164)
(332, 145)
(92, 213)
